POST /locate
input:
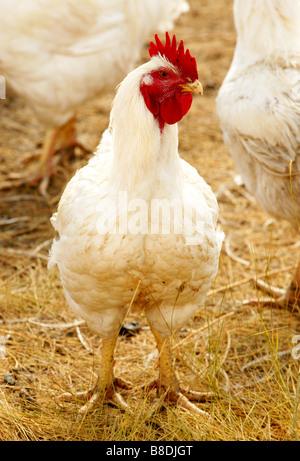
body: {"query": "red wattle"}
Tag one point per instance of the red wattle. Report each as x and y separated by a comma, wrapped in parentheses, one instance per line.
(173, 108)
(150, 102)
(166, 108)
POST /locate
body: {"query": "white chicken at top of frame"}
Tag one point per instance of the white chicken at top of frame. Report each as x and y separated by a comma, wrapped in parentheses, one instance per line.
(58, 55)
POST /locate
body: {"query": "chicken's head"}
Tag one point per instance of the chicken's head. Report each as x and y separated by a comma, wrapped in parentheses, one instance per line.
(167, 90)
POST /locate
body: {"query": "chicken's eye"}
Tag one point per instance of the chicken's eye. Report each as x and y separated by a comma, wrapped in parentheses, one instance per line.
(163, 74)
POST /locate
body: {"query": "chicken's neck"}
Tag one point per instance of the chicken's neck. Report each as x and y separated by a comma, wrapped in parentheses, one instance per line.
(145, 161)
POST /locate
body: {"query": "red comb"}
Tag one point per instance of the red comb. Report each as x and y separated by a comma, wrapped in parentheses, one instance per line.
(183, 60)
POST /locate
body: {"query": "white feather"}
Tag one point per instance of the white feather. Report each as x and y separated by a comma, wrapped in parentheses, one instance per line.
(101, 271)
(259, 103)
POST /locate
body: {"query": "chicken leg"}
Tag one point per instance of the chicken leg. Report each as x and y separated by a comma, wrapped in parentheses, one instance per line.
(57, 141)
(167, 382)
(105, 387)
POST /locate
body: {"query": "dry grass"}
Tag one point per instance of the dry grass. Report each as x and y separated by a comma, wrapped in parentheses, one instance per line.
(241, 352)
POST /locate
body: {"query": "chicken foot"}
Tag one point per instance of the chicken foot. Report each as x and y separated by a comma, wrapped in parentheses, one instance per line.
(167, 383)
(57, 142)
(289, 298)
(105, 388)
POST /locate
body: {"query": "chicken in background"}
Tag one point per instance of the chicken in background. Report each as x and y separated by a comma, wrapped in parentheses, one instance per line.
(58, 55)
(114, 250)
(259, 110)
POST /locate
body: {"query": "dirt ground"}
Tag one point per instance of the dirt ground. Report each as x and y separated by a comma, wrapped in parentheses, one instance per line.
(241, 352)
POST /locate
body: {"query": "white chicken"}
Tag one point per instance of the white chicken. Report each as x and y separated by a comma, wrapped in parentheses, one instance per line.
(259, 109)
(58, 55)
(117, 245)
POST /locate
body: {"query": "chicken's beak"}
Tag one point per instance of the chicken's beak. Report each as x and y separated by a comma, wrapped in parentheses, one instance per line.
(193, 87)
